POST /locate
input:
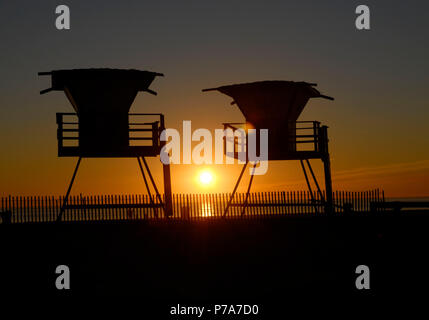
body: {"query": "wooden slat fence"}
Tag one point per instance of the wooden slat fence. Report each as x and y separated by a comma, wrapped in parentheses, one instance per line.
(185, 206)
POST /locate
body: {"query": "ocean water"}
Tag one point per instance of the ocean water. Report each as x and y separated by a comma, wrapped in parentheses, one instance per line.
(412, 199)
(419, 199)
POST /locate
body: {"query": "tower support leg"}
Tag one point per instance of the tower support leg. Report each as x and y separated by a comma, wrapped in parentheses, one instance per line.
(235, 189)
(328, 184)
(309, 185)
(147, 188)
(315, 181)
(248, 190)
(153, 181)
(156, 189)
(168, 198)
(66, 198)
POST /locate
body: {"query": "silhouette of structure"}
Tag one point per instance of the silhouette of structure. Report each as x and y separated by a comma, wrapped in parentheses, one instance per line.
(104, 128)
(276, 106)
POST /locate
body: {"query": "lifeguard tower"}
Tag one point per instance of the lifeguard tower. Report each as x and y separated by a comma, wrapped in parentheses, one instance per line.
(276, 106)
(102, 126)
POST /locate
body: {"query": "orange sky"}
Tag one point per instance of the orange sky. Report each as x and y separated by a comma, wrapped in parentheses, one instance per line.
(32, 166)
(359, 160)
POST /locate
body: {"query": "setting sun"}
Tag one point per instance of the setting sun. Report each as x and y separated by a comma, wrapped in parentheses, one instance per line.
(205, 177)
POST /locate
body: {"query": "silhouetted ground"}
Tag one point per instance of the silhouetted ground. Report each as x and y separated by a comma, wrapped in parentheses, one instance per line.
(251, 261)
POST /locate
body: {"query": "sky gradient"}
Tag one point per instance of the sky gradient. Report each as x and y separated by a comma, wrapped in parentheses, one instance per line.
(378, 123)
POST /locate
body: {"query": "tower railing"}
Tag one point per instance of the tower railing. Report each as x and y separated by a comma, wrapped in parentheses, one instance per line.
(144, 131)
(303, 133)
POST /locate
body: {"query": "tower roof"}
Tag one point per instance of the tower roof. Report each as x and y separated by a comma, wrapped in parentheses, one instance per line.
(101, 90)
(268, 103)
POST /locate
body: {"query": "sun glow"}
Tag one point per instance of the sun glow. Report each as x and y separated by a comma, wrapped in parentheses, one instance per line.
(206, 178)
